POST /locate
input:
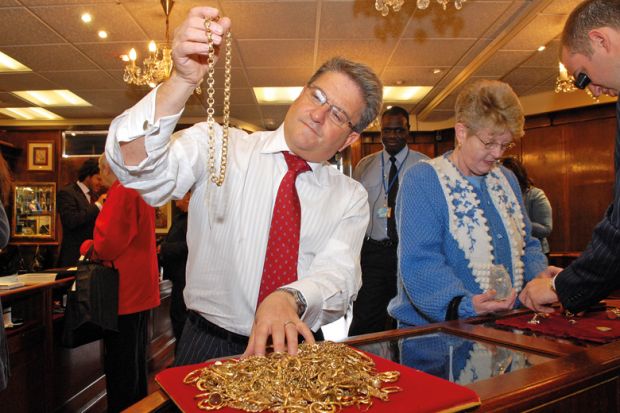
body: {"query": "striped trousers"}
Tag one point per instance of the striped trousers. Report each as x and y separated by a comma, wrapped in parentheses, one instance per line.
(197, 344)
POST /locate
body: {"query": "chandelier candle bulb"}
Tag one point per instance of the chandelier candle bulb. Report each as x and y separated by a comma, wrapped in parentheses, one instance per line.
(563, 72)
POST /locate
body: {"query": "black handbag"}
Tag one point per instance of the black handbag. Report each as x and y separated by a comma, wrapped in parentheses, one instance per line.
(92, 307)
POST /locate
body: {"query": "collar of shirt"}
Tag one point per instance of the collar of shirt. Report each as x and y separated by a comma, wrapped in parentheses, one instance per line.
(400, 157)
(276, 143)
(84, 189)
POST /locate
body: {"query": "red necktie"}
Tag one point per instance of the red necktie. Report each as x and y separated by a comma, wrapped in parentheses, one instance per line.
(280, 266)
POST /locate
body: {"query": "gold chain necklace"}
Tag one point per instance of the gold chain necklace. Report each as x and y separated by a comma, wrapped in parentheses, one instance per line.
(217, 177)
(322, 378)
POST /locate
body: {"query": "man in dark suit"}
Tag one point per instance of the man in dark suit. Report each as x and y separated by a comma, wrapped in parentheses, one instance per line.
(591, 53)
(173, 258)
(78, 205)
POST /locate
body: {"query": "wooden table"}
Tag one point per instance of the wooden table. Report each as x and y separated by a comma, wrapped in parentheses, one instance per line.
(46, 377)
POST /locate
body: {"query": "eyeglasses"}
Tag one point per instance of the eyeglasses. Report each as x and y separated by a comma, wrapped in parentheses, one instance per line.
(489, 146)
(582, 81)
(336, 115)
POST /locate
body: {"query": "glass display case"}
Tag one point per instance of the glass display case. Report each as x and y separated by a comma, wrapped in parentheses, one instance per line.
(461, 360)
(34, 210)
(509, 371)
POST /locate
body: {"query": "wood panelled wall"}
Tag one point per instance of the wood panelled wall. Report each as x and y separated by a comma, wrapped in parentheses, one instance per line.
(65, 169)
(14, 147)
(568, 154)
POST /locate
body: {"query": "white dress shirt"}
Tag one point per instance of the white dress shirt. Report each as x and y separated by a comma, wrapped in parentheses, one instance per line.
(84, 189)
(228, 226)
(88, 194)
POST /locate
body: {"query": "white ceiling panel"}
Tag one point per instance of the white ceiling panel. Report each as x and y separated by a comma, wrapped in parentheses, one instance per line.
(281, 43)
(19, 26)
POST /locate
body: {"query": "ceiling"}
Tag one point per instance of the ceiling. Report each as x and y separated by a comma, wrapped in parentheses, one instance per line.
(281, 43)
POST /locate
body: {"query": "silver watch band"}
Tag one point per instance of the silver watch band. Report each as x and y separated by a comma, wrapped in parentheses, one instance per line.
(300, 300)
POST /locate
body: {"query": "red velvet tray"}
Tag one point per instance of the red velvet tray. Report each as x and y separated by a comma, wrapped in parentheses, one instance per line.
(421, 392)
(557, 325)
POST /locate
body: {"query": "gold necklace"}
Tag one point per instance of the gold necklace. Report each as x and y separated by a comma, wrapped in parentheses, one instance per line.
(217, 177)
(322, 378)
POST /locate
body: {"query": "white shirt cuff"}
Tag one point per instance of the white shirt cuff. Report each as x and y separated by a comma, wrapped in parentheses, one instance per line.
(139, 121)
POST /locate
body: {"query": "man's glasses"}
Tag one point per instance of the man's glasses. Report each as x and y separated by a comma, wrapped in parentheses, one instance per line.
(582, 81)
(489, 146)
(336, 115)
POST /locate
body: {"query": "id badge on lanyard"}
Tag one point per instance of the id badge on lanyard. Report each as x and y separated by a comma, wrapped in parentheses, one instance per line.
(384, 212)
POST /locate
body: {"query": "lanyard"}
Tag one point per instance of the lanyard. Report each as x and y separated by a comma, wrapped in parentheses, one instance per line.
(387, 187)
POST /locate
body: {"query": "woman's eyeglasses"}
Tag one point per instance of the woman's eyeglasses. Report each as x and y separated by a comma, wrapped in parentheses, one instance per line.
(489, 146)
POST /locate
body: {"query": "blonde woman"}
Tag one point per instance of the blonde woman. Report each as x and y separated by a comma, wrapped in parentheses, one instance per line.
(461, 214)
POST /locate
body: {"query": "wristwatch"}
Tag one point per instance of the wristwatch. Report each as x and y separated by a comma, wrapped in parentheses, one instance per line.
(302, 305)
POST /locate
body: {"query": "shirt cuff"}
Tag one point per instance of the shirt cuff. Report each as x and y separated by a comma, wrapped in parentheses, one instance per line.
(139, 121)
(314, 302)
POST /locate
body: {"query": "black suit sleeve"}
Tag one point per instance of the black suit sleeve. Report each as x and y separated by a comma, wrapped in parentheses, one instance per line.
(5, 231)
(596, 273)
(173, 253)
(173, 250)
(71, 214)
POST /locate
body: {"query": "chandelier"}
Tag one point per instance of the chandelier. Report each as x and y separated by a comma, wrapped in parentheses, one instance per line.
(566, 83)
(157, 66)
(384, 5)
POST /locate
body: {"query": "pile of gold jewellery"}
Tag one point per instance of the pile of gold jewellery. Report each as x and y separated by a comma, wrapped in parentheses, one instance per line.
(217, 178)
(321, 378)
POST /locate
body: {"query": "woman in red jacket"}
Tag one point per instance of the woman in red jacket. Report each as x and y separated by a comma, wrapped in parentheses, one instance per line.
(125, 236)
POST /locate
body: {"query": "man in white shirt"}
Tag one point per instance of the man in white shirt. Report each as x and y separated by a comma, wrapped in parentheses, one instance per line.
(228, 226)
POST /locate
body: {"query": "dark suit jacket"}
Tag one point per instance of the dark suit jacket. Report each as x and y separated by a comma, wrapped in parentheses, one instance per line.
(173, 256)
(78, 222)
(596, 273)
(173, 253)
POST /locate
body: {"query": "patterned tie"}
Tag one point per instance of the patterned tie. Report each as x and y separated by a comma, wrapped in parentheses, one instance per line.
(391, 221)
(280, 266)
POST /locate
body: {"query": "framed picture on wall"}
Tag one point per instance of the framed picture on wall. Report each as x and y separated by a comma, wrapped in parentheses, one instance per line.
(40, 156)
(163, 218)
